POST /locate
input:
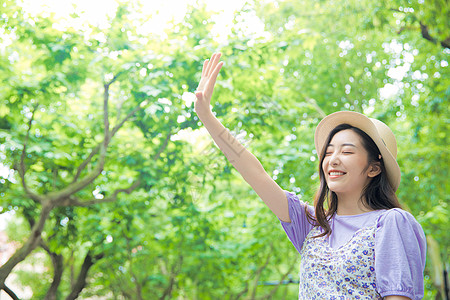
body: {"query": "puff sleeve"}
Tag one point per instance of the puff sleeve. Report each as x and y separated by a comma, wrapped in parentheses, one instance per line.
(299, 227)
(400, 251)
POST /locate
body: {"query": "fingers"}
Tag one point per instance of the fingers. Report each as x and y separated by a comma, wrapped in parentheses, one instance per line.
(215, 61)
(215, 72)
(210, 71)
(208, 66)
(205, 66)
(212, 64)
(212, 80)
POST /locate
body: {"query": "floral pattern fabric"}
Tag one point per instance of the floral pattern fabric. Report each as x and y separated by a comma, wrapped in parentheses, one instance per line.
(347, 272)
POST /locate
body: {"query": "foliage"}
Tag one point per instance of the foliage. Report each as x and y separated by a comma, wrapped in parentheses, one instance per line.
(192, 228)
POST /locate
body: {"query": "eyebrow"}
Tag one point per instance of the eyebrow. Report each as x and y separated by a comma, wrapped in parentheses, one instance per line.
(345, 144)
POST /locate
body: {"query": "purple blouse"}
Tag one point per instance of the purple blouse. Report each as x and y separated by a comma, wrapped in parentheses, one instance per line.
(400, 244)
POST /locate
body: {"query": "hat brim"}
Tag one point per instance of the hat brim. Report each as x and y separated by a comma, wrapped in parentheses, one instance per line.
(365, 124)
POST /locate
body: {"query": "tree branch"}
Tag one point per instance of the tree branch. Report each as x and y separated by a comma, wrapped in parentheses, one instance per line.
(105, 108)
(274, 290)
(59, 196)
(72, 201)
(106, 114)
(29, 245)
(64, 194)
(107, 134)
(243, 292)
(424, 30)
(257, 274)
(86, 162)
(115, 78)
(163, 146)
(173, 275)
(10, 292)
(22, 169)
(79, 285)
(58, 269)
(97, 148)
(446, 43)
(425, 34)
(138, 292)
(129, 115)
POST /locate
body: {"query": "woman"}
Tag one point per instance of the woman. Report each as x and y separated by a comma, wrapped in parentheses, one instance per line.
(356, 242)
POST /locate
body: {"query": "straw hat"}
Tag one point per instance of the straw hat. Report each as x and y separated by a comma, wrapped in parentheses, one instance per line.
(380, 133)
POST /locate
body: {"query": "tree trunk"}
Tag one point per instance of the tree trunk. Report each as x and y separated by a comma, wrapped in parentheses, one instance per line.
(79, 285)
(30, 244)
(58, 268)
(436, 265)
(175, 270)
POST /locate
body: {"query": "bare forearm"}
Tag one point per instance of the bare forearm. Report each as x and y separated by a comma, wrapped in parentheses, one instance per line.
(244, 161)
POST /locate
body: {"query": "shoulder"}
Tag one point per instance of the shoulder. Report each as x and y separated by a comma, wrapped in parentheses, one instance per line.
(294, 202)
(396, 216)
(399, 224)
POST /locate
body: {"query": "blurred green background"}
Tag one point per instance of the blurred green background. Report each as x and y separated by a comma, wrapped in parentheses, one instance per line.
(131, 197)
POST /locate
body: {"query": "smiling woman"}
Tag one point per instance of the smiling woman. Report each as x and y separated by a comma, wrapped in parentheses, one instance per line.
(356, 242)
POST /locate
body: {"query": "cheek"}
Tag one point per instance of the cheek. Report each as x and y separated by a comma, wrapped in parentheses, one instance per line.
(359, 163)
(324, 164)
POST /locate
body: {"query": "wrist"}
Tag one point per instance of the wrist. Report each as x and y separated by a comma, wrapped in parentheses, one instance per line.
(205, 114)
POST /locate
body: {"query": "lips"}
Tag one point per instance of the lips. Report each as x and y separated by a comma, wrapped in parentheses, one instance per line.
(336, 173)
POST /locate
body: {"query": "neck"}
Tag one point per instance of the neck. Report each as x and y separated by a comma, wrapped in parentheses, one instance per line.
(351, 205)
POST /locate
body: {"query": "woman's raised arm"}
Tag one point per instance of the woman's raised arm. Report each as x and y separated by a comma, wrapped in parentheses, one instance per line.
(245, 162)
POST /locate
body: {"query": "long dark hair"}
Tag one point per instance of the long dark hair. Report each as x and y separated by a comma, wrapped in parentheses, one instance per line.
(377, 194)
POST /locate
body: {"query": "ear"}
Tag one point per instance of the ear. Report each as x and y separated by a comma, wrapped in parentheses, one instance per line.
(374, 169)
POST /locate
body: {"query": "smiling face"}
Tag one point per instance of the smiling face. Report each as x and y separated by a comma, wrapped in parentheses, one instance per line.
(345, 165)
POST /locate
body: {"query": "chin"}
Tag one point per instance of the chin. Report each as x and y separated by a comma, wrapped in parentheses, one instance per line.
(336, 189)
(333, 188)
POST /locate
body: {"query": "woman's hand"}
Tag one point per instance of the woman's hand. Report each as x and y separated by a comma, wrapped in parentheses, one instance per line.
(211, 68)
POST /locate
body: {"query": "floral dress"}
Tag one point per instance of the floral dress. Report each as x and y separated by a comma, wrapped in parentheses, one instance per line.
(344, 273)
(368, 256)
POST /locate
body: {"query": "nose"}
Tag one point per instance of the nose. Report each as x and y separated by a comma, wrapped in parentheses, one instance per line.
(334, 160)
